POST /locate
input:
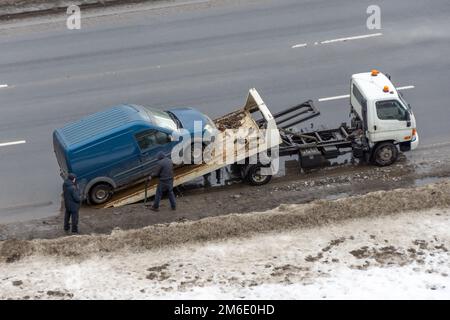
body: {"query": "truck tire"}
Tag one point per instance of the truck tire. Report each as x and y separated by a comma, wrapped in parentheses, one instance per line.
(100, 193)
(385, 154)
(254, 176)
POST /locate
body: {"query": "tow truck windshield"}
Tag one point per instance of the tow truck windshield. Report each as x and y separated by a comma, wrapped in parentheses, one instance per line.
(406, 104)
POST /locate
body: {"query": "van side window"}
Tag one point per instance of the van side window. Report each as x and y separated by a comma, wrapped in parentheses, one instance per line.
(391, 110)
(151, 138)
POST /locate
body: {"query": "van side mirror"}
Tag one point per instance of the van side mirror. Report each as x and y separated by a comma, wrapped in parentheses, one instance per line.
(408, 119)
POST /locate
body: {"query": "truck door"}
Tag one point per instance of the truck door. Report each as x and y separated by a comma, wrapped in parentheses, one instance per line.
(391, 122)
(364, 114)
(359, 103)
(151, 142)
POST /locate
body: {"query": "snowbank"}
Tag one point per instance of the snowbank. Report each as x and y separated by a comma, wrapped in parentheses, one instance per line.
(402, 256)
(285, 217)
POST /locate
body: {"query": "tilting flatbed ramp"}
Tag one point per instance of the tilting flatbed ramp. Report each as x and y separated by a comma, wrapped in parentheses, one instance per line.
(245, 118)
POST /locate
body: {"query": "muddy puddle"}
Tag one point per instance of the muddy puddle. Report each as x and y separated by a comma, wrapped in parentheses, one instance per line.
(427, 180)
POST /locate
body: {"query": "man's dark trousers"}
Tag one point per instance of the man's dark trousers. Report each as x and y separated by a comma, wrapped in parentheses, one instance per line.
(72, 202)
(165, 185)
(74, 216)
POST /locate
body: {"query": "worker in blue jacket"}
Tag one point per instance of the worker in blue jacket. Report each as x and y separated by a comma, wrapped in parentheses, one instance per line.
(72, 202)
(164, 171)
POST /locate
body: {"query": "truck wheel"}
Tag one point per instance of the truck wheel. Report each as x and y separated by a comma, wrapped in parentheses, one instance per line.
(385, 154)
(254, 176)
(100, 193)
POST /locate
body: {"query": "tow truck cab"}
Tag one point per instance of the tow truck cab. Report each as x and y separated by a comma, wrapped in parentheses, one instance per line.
(385, 118)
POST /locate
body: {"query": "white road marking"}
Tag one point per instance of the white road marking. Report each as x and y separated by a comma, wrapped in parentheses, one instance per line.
(3, 86)
(364, 36)
(405, 87)
(352, 38)
(300, 45)
(335, 97)
(12, 143)
(348, 96)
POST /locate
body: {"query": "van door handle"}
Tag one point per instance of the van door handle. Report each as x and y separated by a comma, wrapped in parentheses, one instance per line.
(374, 127)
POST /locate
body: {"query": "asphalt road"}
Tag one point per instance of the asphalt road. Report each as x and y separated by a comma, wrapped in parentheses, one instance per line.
(205, 55)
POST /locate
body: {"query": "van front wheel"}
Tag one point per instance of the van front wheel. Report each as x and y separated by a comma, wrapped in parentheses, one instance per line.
(100, 193)
(254, 176)
(385, 154)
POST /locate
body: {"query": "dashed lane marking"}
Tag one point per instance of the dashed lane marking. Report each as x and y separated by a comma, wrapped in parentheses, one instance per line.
(4, 144)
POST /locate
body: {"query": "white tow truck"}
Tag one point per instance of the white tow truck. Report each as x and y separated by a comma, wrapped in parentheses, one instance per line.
(382, 124)
(385, 117)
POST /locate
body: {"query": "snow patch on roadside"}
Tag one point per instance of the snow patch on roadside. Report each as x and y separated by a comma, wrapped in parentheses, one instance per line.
(391, 257)
(377, 283)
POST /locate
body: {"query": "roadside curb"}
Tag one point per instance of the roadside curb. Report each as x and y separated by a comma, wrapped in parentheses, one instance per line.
(53, 7)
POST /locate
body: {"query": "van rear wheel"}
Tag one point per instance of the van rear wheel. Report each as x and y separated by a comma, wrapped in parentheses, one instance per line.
(100, 193)
(385, 154)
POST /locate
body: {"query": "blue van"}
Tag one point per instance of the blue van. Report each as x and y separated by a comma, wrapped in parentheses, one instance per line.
(115, 148)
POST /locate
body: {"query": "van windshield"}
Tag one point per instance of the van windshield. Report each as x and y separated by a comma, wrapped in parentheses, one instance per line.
(161, 118)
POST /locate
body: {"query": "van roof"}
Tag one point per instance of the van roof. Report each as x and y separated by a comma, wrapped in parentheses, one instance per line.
(372, 86)
(99, 123)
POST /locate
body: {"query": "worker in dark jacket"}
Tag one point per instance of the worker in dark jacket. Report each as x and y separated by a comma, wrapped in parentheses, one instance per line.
(72, 202)
(164, 171)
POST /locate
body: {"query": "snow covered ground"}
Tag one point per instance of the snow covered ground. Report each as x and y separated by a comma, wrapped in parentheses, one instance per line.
(403, 256)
